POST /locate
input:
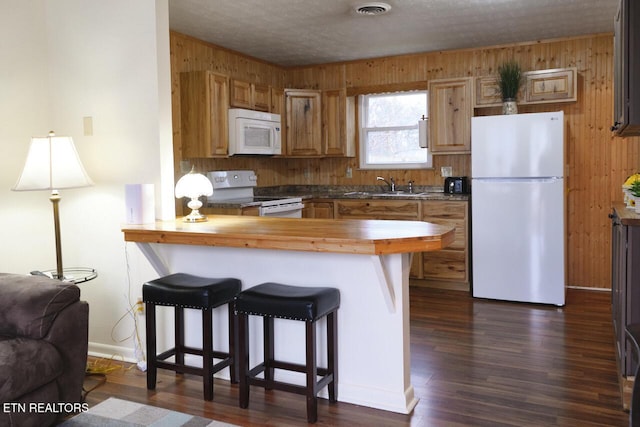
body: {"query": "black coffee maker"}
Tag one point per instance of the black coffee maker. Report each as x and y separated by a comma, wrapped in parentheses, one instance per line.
(456, 185)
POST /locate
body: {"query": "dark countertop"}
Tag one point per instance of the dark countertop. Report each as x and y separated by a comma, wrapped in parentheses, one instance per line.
(332, 192)
(627, 216)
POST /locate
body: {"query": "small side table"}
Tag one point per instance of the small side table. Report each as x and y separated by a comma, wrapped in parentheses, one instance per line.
(74, 275)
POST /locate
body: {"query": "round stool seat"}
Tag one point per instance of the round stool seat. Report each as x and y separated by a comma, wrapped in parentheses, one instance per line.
(288, 302)
(188, 291)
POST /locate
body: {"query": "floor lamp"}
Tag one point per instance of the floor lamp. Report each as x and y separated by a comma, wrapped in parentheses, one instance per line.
(53, 164)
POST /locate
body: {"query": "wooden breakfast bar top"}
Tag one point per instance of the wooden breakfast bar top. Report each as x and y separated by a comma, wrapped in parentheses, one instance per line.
(353, 236)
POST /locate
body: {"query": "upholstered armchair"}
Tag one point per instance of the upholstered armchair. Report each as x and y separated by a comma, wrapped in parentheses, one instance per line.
(43, 349)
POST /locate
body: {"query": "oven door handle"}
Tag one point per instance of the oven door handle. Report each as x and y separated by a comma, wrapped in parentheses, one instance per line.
(281, 208)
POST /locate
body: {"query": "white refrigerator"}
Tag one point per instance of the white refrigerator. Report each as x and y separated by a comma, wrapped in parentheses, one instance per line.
(517, 207)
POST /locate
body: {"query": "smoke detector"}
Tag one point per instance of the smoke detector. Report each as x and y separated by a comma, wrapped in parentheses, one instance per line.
(372, 9)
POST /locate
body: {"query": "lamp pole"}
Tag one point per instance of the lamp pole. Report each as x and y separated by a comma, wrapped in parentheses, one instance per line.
(55, 200)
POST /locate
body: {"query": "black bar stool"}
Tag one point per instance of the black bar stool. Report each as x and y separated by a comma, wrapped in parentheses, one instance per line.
(308, 304)
(187, 291)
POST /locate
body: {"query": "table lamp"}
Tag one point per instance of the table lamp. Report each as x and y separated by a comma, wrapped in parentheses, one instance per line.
(193, 185)
(53, 164)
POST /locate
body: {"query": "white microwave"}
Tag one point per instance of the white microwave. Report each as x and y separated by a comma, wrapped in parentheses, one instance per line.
(254, 132)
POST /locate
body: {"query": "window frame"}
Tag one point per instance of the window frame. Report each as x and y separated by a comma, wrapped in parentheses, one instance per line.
(362, 133)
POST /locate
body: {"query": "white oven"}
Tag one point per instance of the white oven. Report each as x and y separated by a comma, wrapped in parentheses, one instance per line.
(236, 187)
(284, 208)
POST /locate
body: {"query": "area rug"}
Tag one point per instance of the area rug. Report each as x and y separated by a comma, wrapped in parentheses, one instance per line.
(122, 413)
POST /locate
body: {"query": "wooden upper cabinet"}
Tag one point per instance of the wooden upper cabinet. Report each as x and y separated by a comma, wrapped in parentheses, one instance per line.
(261, 97)
(545, 86)
(278, 107)
(539, 87)
(204, 101)
(338, 123)
(450, 112)
(303, 121)
(250, 95)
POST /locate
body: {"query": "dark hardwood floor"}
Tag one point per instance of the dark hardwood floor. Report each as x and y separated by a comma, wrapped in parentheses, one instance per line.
(474, 362)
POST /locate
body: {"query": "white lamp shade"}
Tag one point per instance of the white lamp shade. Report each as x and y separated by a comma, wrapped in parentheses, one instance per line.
(193, 185)
(52, 163)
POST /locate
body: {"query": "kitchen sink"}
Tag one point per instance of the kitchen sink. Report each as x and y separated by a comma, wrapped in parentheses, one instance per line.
(393, 194)
(377, 194)
(383, 194)
(358, 193)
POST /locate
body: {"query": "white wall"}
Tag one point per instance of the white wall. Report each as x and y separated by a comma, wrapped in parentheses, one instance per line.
(68, 59)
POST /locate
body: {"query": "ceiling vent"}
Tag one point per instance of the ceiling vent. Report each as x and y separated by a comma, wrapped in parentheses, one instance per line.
(372, 9)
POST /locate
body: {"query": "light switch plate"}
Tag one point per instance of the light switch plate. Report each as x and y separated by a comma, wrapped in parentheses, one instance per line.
(446, 171)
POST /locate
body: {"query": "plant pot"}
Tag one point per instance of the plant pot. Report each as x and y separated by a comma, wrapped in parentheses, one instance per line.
(509, 106)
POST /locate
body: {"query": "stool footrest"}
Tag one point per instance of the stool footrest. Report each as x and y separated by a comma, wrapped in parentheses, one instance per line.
(292, 388)
(287, 366)
(189, 350)
(188, 369)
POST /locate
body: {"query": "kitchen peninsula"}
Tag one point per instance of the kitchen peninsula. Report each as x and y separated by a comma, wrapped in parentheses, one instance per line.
(367, 260)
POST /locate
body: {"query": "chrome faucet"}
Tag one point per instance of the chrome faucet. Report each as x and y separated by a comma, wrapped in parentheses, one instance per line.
(391, 183)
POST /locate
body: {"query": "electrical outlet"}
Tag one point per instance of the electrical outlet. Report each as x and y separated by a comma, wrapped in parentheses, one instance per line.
(139, 307)
(349, 172)
(446, 171)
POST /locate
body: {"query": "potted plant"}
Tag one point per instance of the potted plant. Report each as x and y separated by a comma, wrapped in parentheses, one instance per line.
(509, 82)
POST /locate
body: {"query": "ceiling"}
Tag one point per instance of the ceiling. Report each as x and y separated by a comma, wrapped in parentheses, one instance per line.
(303, 32)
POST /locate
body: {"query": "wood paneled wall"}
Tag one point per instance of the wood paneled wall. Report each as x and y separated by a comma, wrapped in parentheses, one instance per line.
(597, 163)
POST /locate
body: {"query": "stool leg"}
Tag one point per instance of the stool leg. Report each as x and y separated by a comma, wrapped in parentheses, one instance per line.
(233, 355)
(332, 354)
(179, 335)
(207, 354)
(311, 372)
(268, 352)
(243, 357)
(150, 310)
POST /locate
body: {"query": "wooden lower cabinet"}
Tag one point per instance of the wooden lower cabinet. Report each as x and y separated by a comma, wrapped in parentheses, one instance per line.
(451, 263)
(317, 209)
(408, 210)
(248, 211)
(447, 265)
(377, 209)
(625, 291)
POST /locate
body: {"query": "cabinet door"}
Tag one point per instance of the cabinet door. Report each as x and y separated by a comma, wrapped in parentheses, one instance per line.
(303, 122)
(338, 123)
(451, 263)
(204, 101)
(450, 111)
(241, 94)
(318, 209)
(544, 86)
(261, 97)
(377, 209)
(278, 107)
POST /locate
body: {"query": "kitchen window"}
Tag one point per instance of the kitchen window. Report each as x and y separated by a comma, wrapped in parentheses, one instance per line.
(389, 135)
